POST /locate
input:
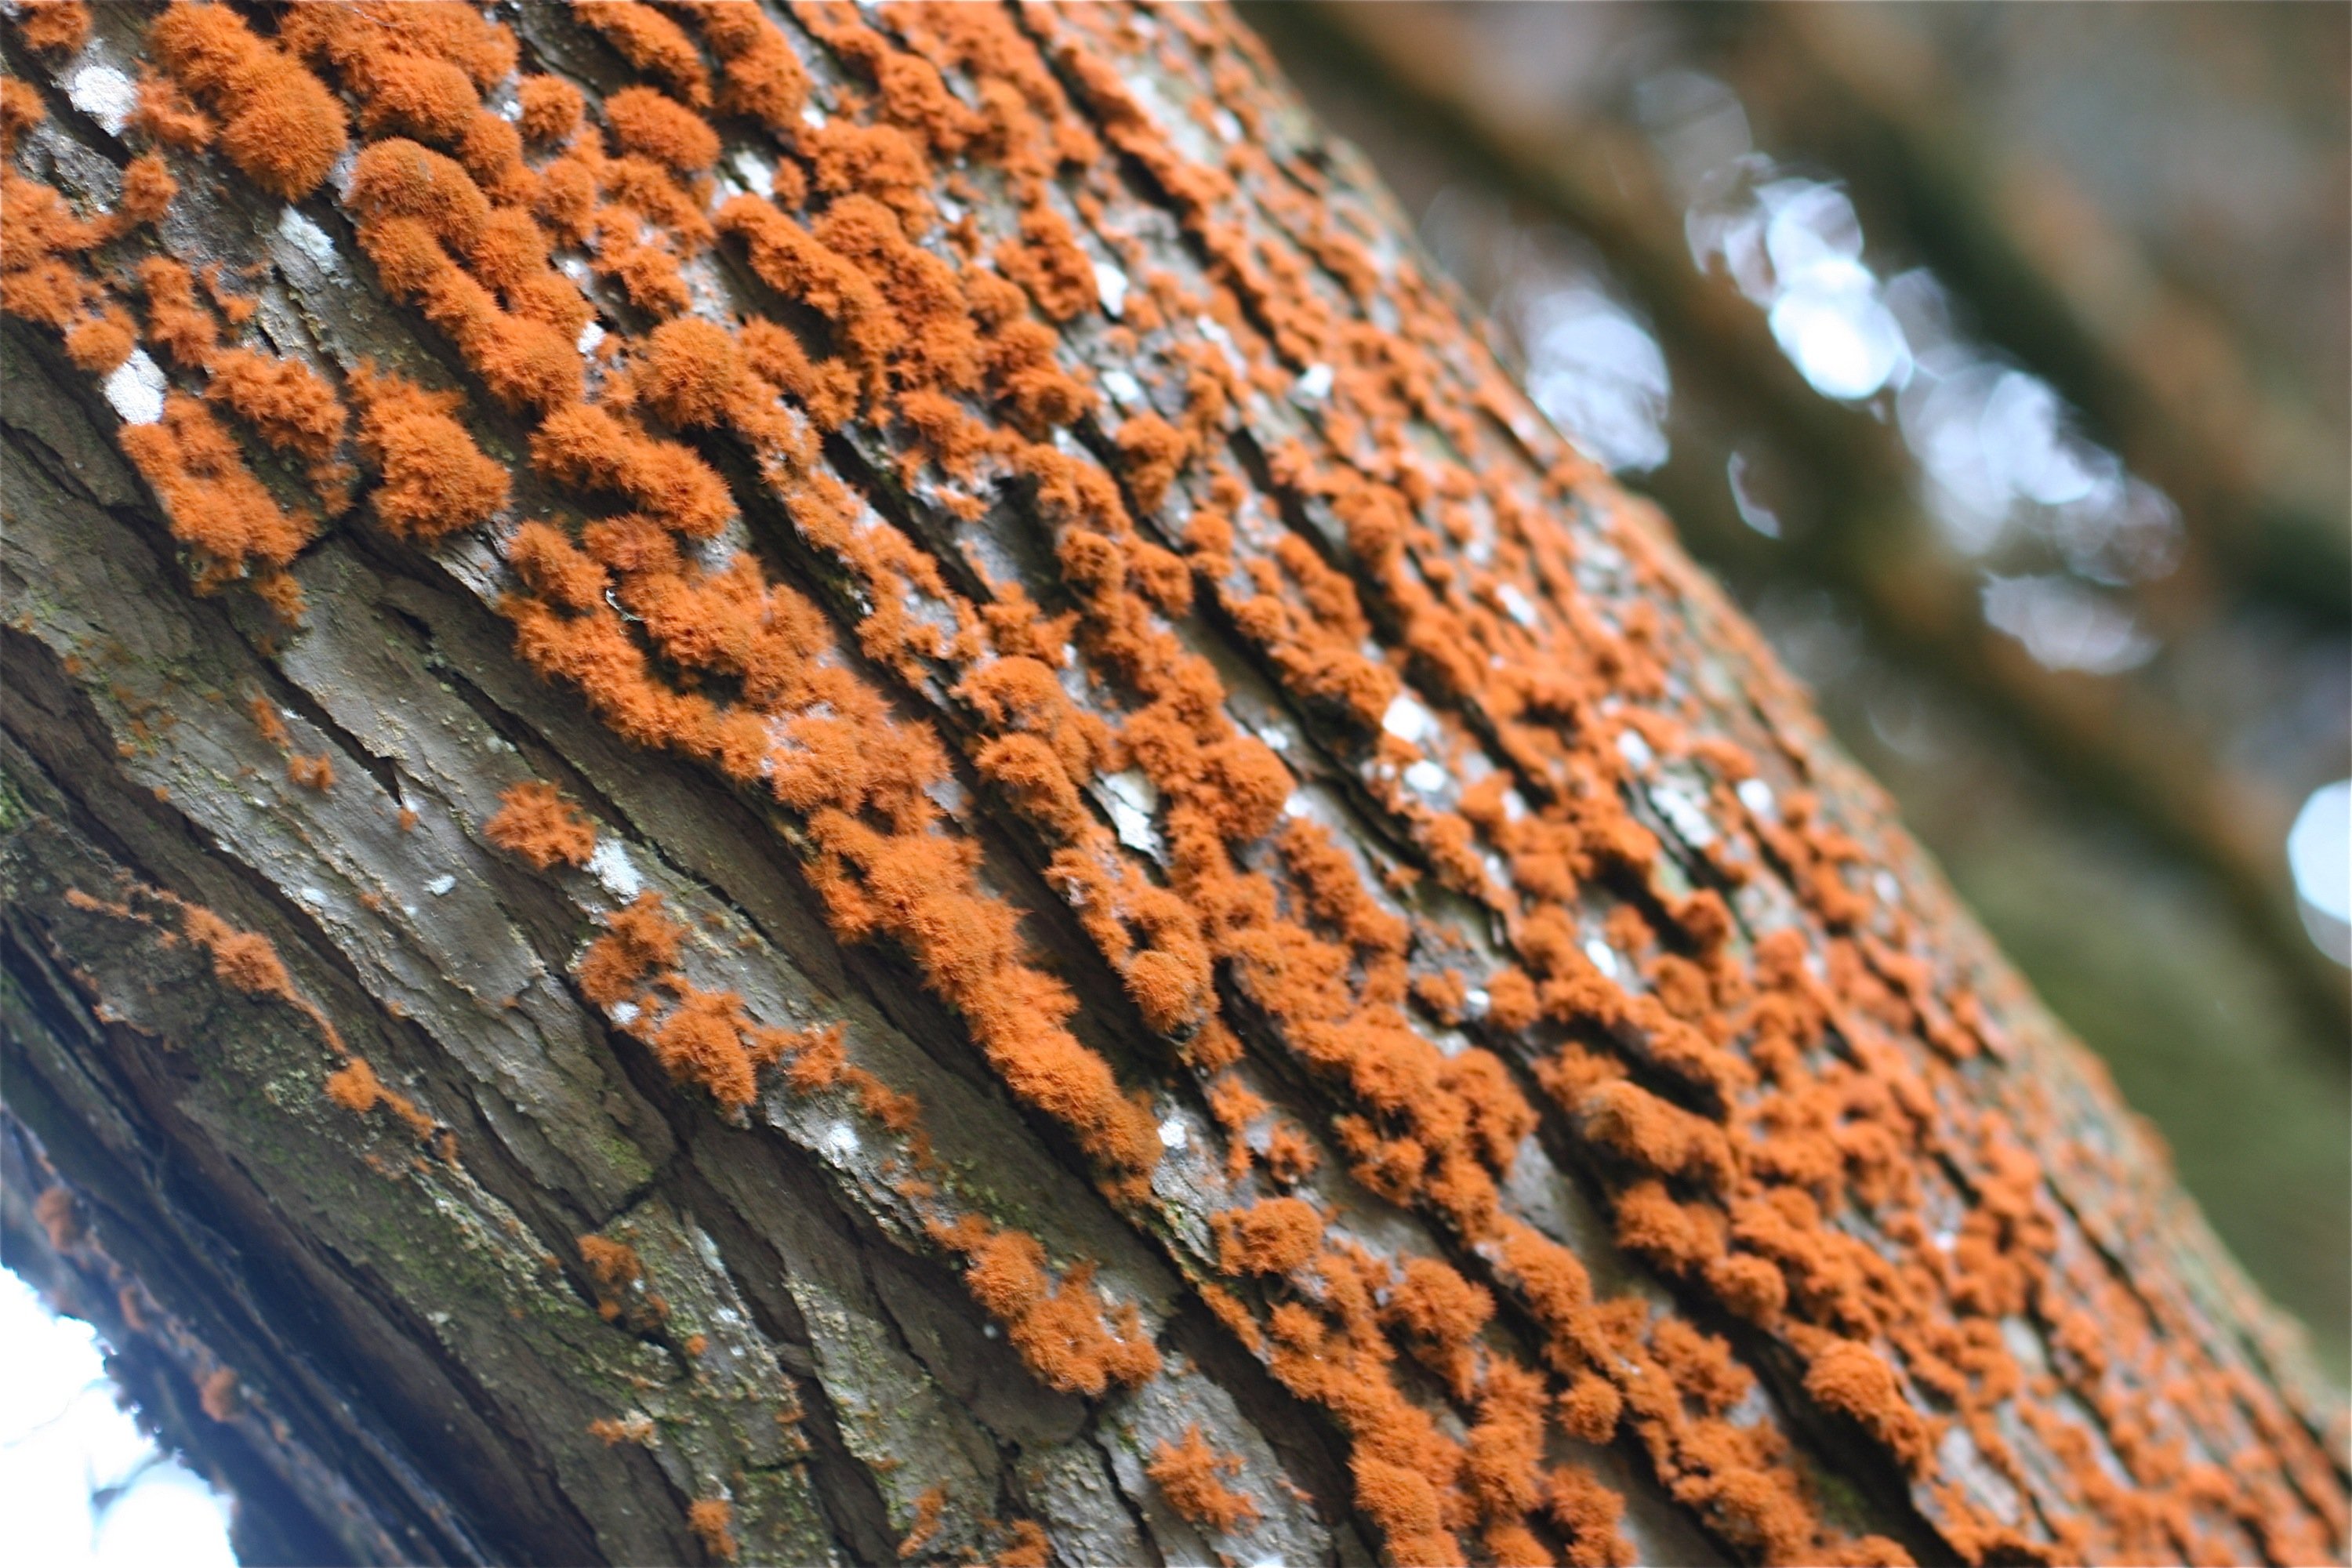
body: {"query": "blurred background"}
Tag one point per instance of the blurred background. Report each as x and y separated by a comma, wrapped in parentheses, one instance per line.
(1999, 359)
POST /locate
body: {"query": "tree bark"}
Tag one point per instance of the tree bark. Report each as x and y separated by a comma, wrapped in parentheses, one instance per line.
(1669, 1141)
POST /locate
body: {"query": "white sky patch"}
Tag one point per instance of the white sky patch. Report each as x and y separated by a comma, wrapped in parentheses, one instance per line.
(105, 94)
(135, 388)
(307, 238)
(1110, 288)
(62, 1438)
(610, 865)
(1130, 798)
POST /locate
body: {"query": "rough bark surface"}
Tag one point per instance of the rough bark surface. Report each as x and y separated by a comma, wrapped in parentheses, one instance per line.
(1483, 1075)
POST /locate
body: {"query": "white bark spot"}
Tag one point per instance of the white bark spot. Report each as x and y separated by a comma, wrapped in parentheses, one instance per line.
(1124, 388)
(1407, 720)
(1521, 609)
(590, 336)
(1756, 796)
(1633, 749)
(1110, 286)
(1683, 814)
(1603, 956)
(309, 239)
(609, 864)
(1130, 798)
(1314, 384)
(314, 898)
(441, 885)
(626, 1012)
(105, 94)
(1476, 1003)
(135, 388)
(1172, 1134)
(1426, 777)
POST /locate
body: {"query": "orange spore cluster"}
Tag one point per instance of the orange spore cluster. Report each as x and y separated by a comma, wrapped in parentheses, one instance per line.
(435, 480)
(1270, 1238)
(1057, 1326)
(534, 821)
(60, 1214)
(930, 1507)
(712, 1519)
(221, 1395)
(47, 24)
(289, 405)
(1191, 1476)
(279, 125)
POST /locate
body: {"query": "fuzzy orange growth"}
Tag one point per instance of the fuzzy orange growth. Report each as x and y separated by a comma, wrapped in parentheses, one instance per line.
(551, 108)
(645, 121)
(355, 1087)
(761, 76)
(555, 569)
(1030, 1548)
(651, 42)
(219, 1396)
(712, 1521)
(636, 938)
(312, 773)
(435, 480)
(177, 322)
(1590, 1407)
(1852, 1380)
(1586, 1512)
(101, 342)
(1154, 450)
(1270, 1238)
(701, 1041)
(537, 823)
(281, 124)
(289, 405)
(148, 188)
(165, 115)
(928, 1508)
(1187, 1475)
(60, 1215)
(53, 24)
(212, 501)
(1442, 1313)
(244, 960)
(615, 1430)
(265, 719)
(1057, 1329)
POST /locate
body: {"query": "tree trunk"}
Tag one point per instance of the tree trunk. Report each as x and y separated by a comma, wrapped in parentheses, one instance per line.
(1021, 871)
